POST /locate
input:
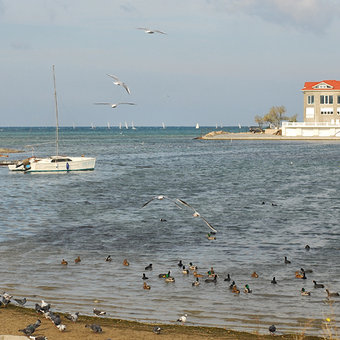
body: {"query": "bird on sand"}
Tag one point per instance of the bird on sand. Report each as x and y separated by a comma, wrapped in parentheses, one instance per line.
(114, 105)
(98, 312)
(95, 328)
(183, 318)
(156, 330)
(30, 329)
(150, 31)
(161, 197)
(73, 317)
(38, 337)
(272, 329)
(20, 302)
(119, 82)
(197, 214)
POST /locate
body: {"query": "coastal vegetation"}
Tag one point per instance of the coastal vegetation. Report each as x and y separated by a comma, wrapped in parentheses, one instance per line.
(274, 117)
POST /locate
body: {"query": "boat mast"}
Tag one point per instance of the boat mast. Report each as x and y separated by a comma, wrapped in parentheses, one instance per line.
(56, 114)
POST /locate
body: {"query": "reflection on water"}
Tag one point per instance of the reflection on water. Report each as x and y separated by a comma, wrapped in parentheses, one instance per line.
(48, 217)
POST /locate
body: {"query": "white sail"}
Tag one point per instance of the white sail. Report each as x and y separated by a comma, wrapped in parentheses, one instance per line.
(126, 125)
(108, 125)
(120, 125)
(197, 126)
(163, 125)
(133, 126)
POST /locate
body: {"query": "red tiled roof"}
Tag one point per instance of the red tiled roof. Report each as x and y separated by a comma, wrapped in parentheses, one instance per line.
(309, 85)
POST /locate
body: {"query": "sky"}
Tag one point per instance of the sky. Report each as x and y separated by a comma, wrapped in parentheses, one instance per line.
(220, 62)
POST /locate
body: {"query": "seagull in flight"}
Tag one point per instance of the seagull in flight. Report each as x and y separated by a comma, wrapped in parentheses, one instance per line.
(114, 105)
(150, 31)
(119, 82)
(197, 214)
(161, 197)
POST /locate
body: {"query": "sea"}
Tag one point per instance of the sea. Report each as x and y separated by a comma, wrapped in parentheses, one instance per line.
(266, 199)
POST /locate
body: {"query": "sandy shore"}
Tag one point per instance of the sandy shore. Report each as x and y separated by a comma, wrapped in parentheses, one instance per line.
(14, 318)
(222, 135)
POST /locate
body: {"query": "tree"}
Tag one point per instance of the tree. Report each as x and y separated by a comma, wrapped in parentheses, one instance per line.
(293, 118)
(276, 115)
(260, 121)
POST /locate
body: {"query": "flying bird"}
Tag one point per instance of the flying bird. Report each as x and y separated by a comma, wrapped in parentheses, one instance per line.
(119, 82)
(114, 105)
(150, 31)
(197, 214)
(161, 197)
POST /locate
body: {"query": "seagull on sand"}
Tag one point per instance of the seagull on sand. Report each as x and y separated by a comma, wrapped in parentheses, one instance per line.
(114, 105)
(197, 214)
(157, 329)
(98, 312)
(119, 82)
(183, 318)
(161, 197)
(150, 31)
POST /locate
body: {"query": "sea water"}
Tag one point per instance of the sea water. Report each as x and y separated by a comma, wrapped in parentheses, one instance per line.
(267, 199)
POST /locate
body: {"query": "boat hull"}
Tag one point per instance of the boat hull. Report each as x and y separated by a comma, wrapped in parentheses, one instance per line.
(56, 164)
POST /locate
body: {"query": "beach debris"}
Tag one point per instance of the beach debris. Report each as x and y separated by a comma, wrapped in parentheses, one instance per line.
(98, 312)
(126, 262)
(32, 337)
(119, 82)
(150, 31)
(318, 285)
(272, 329)
(157, 330)
(64, 262)
(304, 292)
(77, 260)
(95, 328)
(183, 319)
(146, 286)
(197, 214)
(72, 316)
(149, 267)
(160, 198)
(30, 329)
(108, 258)
(20, 302)
(287, 261)
(273, 281)
(332, 294)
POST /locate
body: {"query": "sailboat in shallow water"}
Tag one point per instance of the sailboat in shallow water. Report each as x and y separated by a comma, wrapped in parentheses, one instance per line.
(55, 163)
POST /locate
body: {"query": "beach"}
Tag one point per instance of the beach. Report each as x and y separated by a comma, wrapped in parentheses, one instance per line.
(13, 318)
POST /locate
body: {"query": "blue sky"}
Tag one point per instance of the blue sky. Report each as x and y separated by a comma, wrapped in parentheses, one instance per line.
(221, 61)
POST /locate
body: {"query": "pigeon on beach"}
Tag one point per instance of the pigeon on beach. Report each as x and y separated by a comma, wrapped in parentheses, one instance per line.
(30, 329)
(73, 317)
(95, 328)
(20, 302)
(119, 82)
(157, 330)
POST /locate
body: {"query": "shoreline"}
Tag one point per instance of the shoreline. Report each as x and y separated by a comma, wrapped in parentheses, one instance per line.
(223, 135)
(13, 318)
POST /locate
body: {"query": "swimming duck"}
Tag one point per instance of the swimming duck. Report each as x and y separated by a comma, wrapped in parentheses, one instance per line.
(146, 286)
(247, 289)
(329, 294)
(64, 262)
(307, 271)
(180, 264)
(108, 258)
(144, 277)
(287, 261)
(192, 267)
(307, 247)
(227, 278)
(301, 276)
(198, 275)
(77, 260)
(126, 262)
(149, 267)
(185, 271)
(235, 290)
(232, 285)
(255, 275)
(209, 237)
(169, 279)
(162, 276)
(196, 282)
(318, 285)
(273, 281)
(304, 292)
(214, 280)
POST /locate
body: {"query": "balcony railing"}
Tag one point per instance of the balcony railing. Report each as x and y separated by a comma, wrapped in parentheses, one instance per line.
(314, 124)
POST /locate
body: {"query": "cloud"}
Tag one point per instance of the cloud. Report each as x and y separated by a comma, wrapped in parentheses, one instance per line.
(306, 15)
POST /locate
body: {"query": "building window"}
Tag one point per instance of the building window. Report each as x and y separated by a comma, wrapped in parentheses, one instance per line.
(310, 99)
(338, 99)
(326, 99)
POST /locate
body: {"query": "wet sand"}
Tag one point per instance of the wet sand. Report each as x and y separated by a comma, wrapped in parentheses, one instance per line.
(14, 318)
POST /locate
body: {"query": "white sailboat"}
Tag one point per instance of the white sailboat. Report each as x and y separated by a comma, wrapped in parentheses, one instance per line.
(120, 125)
(197, 126)
(133, 126)
(108, 126)
(93, 127)
(126, 125)
(163, 125)
(55, 163)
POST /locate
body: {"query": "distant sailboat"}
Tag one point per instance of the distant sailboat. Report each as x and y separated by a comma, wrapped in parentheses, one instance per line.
(239, 126)
(163, 125)
(108, 126)
(74, 126)
(126, 125)
(133, 126)
(120, 125)
(197, 126)
(216, 126)
(93, 127)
